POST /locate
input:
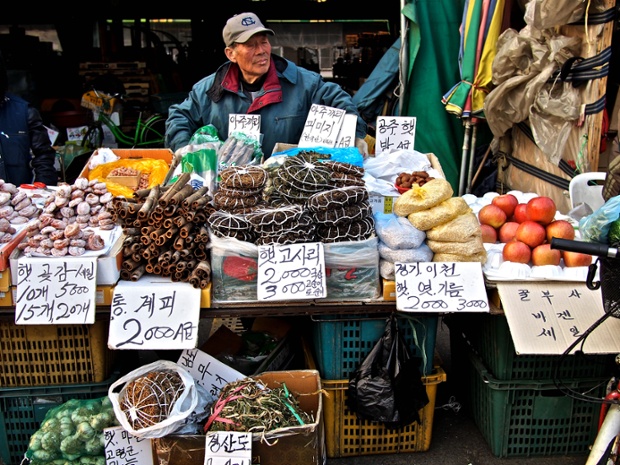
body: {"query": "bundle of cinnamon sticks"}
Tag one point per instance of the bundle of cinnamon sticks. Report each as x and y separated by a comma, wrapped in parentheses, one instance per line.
(165, 232)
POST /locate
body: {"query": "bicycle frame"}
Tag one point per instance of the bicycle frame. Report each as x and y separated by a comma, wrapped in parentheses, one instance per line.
(141, 136)
(148, 133)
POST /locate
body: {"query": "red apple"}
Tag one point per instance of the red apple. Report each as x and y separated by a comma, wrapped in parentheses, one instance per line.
(506, 202)
(561, 229)
(492, 215)
(531, 233)
(572, 259)
(545, 255)
(489, 233)
(507, 231)
(520, 213)
(541, 209)
(517, 251)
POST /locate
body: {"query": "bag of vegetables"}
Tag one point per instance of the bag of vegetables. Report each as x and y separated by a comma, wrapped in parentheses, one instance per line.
(73, 432)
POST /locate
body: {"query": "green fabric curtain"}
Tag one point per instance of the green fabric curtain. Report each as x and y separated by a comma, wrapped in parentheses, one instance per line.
(432, 70)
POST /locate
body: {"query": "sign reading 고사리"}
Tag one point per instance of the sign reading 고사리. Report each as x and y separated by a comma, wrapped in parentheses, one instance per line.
(293, 271)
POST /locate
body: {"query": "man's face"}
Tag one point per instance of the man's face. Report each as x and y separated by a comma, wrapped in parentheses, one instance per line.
(253, 56)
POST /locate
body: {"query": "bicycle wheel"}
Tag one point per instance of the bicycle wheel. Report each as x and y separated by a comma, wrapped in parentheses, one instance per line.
(152, 132)
(93, 138)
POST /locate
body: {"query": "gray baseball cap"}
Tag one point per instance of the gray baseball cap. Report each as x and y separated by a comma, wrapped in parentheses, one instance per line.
(241, 27)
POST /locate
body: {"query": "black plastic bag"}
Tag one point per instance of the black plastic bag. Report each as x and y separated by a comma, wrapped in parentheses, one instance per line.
(387, 387)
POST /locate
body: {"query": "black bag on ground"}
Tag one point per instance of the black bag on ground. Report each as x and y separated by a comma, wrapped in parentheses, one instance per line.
(387, 387)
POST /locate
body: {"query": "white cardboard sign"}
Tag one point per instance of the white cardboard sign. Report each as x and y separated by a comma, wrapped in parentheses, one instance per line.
(122, 448)
(247, 124)
(440, 287)
(546, 317)
(208, 371)
(56, 291)
(154, 313)
(346, 136)
(228, 448)
(395, 133)
(322, 126)
(291, 272)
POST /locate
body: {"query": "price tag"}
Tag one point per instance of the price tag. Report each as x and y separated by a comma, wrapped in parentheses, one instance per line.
(228, 448)
(154, 313)
(294, 271)
(395, 133)
(246, 124)
(122, 448)
(441, 287)
(322, 126)
(56, 291)
(208, 371)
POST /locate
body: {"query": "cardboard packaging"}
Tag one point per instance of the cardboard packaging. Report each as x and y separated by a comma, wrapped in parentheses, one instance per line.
(159, 154)
(226, 344)
(298, 445)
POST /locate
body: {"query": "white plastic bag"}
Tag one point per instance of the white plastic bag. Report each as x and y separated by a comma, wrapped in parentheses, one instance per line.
(183, 406)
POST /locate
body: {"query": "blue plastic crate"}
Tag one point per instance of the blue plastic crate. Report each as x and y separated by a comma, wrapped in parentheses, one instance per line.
(23, 409)
(341, 342)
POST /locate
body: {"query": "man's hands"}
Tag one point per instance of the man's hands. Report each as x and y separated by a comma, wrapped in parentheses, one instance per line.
(362, 146)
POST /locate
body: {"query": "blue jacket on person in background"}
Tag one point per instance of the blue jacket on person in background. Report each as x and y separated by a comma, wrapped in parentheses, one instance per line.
(26, 153)
(283, 104)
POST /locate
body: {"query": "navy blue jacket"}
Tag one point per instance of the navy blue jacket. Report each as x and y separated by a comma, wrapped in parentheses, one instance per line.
(26, 153)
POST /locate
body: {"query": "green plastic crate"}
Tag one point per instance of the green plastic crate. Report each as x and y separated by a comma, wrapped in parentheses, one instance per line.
(23, 409)
(531, 418)
(341, 342)
(489, 336)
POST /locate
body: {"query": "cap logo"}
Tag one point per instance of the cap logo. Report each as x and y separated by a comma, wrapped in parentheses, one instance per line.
(248, 21)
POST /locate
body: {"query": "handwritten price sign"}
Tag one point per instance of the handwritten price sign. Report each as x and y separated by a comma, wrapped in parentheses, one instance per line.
(440, 287)
(55, 291)
(154, 313)
(294, 271)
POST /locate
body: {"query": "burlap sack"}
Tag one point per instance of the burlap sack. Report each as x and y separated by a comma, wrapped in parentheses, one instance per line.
(455, 257)
(463, 228)
(439, 214)
(421, 198)
(471, 247)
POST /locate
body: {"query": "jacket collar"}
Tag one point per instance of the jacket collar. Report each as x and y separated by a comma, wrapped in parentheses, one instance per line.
(227, 77)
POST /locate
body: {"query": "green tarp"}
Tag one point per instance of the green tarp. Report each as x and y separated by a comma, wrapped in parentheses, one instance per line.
(433, 49)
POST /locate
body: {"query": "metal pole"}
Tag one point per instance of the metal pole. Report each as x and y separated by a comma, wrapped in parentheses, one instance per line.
(464, 156)
(472, 155)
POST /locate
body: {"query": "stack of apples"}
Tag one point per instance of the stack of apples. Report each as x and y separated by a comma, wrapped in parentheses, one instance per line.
(526, 230)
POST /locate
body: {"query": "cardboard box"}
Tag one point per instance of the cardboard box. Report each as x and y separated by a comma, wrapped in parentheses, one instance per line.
(6, 298)
(389, 290)
(128, 181)
(205, 297)
(158, 154)
(299, 445)
(225, 343)
(103, 295)
(5, 281)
